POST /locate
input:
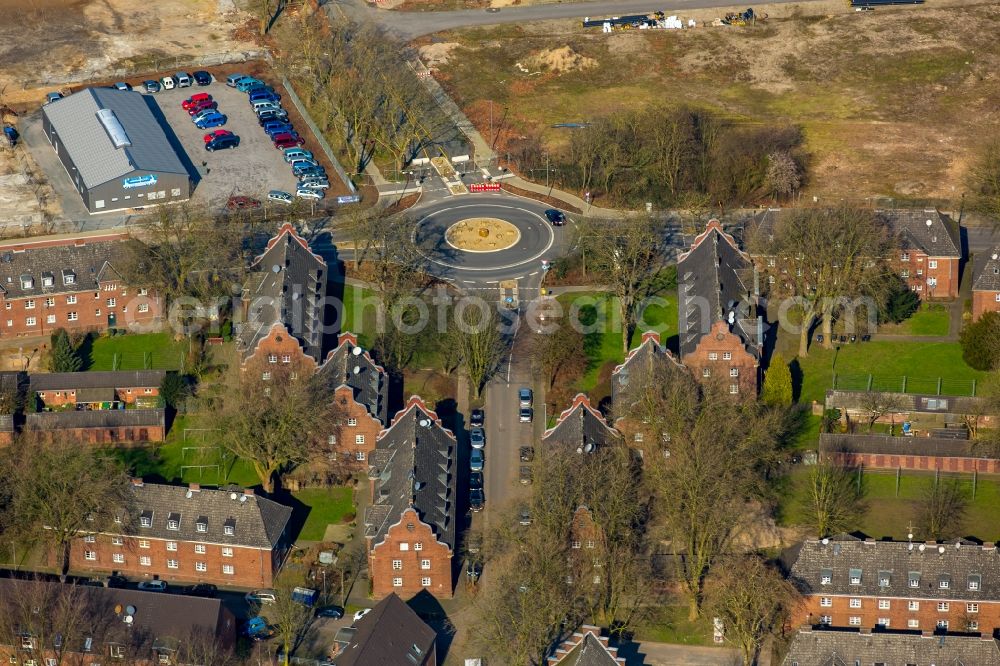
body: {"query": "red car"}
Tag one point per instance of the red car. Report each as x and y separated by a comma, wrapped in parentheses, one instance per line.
(216, 134)
(196, 99)
(203, 105)
(241, 203)
(287, 140)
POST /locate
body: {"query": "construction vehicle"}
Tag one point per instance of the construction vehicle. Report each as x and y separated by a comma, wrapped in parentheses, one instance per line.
(743, 18)
(882, 3)
(625, 22)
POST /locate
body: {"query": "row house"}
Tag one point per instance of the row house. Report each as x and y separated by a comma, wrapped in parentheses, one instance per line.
(986, 284)
(97, 390)
(391, 633)
(929, 251)
(586, 547)
(226, 537)
(648, 364)
(830, 647)
(71, 283)
(850, 582)
(410, 525)
(924, 454)
(110, 427)
(721, 331)
(587, 647)
(581, 427)
(49, 623)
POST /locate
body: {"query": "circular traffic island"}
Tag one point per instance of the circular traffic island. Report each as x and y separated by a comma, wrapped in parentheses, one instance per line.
(482, 234)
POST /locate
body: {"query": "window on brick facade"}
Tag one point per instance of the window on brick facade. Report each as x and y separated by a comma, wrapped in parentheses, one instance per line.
(397, 582)
(404, 545)
(972, 608)
(425, 564)
(352, 422)
(359, 456)
(10, 322)
(90, 538)
(50, 302)
(734, 372)
(97, 312)
(932, 263)
(713, 356)
(117, 541)
(996, 297)
(71, 300)
(143, 307)
(172, 564)
(89, 555)
(913, 605)
(904, 256)
(171, 545)
(199, 548)
(825, 619)
(943, 606)
(286, 358)
(227, 552)
(972, 625)
(119, 558)
(116, 651)
(826, 602)
(883, 622)
(111, 302)
(575, 544)
(359, 439)
(727, 356)
(72, 316)
(228, 569)
(734, 389)
(942, 624)
(425, 581)
(265, 376)
(145, 561)
(50, 319)
(855, 602)
(854, 621)
(419, 545)
(30, 321)
(397, 565)
(143, 543)
(29, 304)
(883, 604)
(200, 566)
(705, 372)
(913, 623)
(272, 358)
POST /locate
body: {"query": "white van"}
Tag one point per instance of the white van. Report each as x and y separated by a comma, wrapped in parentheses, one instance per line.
(168, 83)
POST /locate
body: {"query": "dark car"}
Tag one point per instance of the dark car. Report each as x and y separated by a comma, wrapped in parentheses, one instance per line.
(223, 143)
(241, 203)
(288, 143)
(475, 481)
(477, 499)
(265, 117)
(556, 217)
(201, 590)
(202, 78)
(336, 612)
(117, 580)
(524, 516)
(524, 474)
(527, 454)
(205, 105)
(309, 172)
(276, 126)
(476, 418)
(263, 95)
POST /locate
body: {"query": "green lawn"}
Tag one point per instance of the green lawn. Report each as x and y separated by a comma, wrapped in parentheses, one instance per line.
(671, 625)
(921, 362)
(326, 507)
(930, 319)
(136, 351)
(889, 515)
(359, 313)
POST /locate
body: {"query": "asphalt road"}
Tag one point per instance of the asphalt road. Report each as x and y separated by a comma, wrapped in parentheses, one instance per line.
(415, 24)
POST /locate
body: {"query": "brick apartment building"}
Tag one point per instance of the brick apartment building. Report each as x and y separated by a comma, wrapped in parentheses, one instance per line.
(648, 364)
(863, 583)
(89, 626)
(581, 427)
(97, 390)
(831, 647)
(929, 252)
(410, 525)
(721, 332)
(392, 633)
(986, 283)
(191, 534)
(586, 547)
(71, 283)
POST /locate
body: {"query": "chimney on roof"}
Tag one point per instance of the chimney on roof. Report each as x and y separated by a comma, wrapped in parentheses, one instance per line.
(137, 482)
(248, 492)
(194, 487)
(926, 633)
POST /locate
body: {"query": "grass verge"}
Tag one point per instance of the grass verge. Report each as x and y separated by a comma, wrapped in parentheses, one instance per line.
(327, 506)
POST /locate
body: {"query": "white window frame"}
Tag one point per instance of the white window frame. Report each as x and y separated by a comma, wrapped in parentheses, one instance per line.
(199, 549)
(227, 552)
(855, 602)
(425, 581)
(173, 564)
(397, 581)
(884, 604)
(228, 569)
(200, 567)
(825, 602)
(425, 565)
(90, 555)
(397, 565)
(145, 561)
(972, 607)
(913, 605)
(118, 558)
(943, 606)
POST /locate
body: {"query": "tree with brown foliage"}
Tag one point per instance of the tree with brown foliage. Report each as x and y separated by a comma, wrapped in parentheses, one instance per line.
(833, 501)
(941, 509)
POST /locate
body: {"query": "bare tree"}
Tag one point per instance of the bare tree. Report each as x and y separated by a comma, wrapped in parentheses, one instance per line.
(984, 179)
(941, 509)
(289, 617)
(479, 342)
(752, 600)
(833, 501)
(783, 176)
(559, 354)
(60, 490)
(877, 404)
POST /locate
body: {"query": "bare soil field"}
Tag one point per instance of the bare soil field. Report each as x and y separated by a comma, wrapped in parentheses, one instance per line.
(893, 102)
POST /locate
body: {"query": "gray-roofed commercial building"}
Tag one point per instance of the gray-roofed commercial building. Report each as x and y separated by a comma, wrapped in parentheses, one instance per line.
(826, 647)
(392, 633)
(410, 525)
(188, 533)
(116, 149)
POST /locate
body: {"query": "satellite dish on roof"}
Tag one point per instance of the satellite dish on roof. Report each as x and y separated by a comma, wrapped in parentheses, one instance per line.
(958, 544)
(130, 610)
(825, 541)
(276, 268)
(357, 370)
(929, 223)
(233, 496)
(994, 256)
(921, 547)
(118, 609)
(189, 494)
(128, 619)
(425, 423)
(941, 550)
(357, 351)
(588, 447)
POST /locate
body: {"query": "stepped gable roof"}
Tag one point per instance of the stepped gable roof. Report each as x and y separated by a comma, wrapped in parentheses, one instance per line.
(581, 426)
(586, 647)
(369, 383)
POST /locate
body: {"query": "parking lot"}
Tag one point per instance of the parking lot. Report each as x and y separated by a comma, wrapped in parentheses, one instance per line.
(251, 169)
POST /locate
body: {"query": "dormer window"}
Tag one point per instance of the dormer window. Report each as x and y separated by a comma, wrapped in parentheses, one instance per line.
(855, 576)
(825, 576)
(974, 581)
(146, 519)
(944, 581)
(173, 521)
(48, 279)
(229, 527)
(914, 579)
(202, 524)
(27, 282)
(883, 578)
(68, 277)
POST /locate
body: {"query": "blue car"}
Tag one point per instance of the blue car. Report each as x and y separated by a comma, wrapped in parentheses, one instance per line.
(263, 95)
(277, 127)
(246, 84)
(211, 120)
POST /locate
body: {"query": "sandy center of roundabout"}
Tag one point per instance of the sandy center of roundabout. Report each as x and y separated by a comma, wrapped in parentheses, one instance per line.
(482, 234)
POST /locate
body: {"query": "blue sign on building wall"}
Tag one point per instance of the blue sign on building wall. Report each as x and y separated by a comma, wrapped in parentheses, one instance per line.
(139, 181)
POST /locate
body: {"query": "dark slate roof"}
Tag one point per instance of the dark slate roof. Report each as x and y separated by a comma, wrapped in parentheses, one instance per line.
(370, 383)
(926, 403)
(928, 563)
(939, 239)
(69, 381)
(103, 394)
(258, 522)
(588, 652)
(98, 418)
(414, 463)
(899, 446)
(830, 647)
(715, 282)
(986, 269)
(390, 634)
(89, 144)
(287, 285)
(73, 266)
(581, 425)
(639, 367)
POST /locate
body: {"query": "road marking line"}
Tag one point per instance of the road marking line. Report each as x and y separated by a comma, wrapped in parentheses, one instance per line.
(532, 274)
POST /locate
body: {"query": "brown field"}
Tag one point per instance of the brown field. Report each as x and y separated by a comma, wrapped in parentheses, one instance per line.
(893, 102)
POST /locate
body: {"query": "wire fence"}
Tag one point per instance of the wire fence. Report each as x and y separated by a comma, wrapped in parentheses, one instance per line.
(905, 384)
(147, 360)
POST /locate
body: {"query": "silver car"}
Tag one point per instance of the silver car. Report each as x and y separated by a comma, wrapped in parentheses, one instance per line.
(279, 196)
(306, 193)
(318, 184)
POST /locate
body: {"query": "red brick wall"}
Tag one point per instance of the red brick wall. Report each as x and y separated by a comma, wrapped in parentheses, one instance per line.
(984, 301)
(898, 613)
(366, 426)
(91, 308)
(252, 568)
(410, 532)
(127, 395)
(927, 463)
(710, 354)
(918, 265)
(119, 435)
(279, 344)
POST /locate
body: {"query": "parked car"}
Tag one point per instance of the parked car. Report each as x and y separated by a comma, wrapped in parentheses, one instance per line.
(524, 474)
(277, 126)
(279, 196)
(477, 500)
(314, 184)
(261, 107)
(306, 193)
(556, 217)
(248, 83)
(361, 613)
(524, 516)
(263, 95)
(524, 415)
(524, 397)
(527, 454)
(336, 612)
(288, 142)
(52, 97)
(201, 590)
(204, 105)
(473, 570)
(476, 418)
(215, 134)
(295, 153)
(121, 85)
(261, 597)
(168, 82)
(267, 116)
(477, 438)
(477, 460)
(315, 179)
(202, 78)
(155, 585)
(303, 162)
(214, 119)
(201, 114)
(151, 86)
(234, 79)
(242, 203)
(195, 100)
(116, 581)
(183, 79)
(257, 629)
(304, 171)
(223, 143)
(475, 480)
